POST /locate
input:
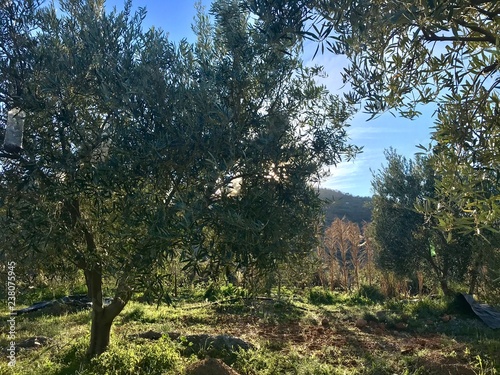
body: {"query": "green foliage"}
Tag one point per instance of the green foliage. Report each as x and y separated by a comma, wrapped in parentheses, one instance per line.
(138, 152)
(427, 308)
(228, 291)
(70, 356)
(404, 236)
(160, 357)
(371, 292)
(263, 362)
(321, 296)
(290, 339)
(395, 223)
(404, 54)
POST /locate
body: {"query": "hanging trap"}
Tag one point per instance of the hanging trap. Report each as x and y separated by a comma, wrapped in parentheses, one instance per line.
(13, 140)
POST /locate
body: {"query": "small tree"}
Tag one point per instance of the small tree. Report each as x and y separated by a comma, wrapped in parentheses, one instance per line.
(403, 235)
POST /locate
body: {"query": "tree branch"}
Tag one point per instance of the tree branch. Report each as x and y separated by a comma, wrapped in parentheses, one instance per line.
(490, 37)
(9, 156)
(435, 38)
(432, 37)
(488, 13)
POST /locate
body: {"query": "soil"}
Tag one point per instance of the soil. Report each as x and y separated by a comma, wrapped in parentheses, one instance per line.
(345, 342)
(210, 366)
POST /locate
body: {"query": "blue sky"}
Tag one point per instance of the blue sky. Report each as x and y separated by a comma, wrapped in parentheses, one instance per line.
(176, 17)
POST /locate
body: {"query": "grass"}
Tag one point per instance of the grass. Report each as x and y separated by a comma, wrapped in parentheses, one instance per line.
(350, 334)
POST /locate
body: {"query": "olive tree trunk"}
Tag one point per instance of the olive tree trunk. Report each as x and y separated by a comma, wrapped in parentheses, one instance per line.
(103, 316)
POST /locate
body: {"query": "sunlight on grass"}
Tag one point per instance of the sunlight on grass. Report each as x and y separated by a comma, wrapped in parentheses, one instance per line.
(288, 338)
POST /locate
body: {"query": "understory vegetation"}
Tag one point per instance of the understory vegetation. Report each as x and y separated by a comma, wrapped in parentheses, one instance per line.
(313, 332)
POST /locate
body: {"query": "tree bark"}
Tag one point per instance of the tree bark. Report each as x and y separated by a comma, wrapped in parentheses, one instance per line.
(100, 333)
(102, 320)
(103, 316)
(443, 277)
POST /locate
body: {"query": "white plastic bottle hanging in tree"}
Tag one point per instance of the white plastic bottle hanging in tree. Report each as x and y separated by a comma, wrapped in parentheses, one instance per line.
(13, 141)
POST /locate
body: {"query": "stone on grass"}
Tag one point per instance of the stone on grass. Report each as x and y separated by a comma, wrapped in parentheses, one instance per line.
(34, 342)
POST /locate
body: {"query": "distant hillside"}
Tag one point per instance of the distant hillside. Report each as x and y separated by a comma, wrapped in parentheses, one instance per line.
(338, 204)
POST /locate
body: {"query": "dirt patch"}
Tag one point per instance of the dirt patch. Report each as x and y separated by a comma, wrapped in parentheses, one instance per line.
(352, 342)
(210, 366)
(444, 366)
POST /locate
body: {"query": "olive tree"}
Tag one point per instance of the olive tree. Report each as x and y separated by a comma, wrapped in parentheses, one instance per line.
(405, 54)
(133, 146)
(103, 151)
(408, 241)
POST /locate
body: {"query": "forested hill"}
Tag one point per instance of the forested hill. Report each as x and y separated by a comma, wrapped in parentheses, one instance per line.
(338, 204)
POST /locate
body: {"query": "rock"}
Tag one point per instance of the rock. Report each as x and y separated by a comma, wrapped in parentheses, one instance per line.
(210, 366)
(34, 342)
(221, 346)
(361, 323)
(325, 323)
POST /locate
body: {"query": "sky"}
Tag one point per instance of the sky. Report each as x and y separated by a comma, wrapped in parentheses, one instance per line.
(375, 136)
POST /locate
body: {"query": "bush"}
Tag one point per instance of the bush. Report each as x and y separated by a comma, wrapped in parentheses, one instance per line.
(160, 357)
(215, 292)
(372, 293)
(320, 296)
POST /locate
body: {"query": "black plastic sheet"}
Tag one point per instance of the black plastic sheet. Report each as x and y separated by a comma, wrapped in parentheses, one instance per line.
(488, 314)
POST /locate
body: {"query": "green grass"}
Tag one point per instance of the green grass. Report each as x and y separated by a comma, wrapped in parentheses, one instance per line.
(289, 337)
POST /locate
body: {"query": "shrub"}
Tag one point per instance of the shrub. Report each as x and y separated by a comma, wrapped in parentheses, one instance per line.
(321, 296)
(158, 358)
(215, 292)
(372, 293)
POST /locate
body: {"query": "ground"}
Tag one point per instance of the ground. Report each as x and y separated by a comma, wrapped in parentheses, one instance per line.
(288, 337)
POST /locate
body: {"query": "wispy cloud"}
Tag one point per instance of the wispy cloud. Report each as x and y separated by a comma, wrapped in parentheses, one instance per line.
(376, 136)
